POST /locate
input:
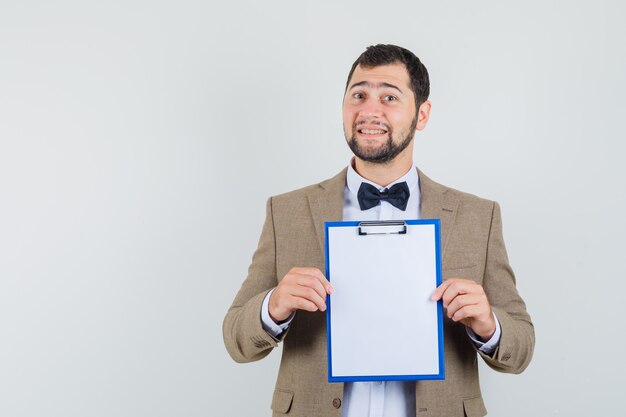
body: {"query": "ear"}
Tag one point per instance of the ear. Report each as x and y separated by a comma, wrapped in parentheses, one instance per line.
(423, 113)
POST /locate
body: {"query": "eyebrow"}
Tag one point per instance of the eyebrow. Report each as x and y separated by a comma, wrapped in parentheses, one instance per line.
(374, 85)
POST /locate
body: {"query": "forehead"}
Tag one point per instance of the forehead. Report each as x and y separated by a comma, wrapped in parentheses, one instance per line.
(395, 74)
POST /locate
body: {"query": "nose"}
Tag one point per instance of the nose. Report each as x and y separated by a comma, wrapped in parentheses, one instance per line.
(371, 108)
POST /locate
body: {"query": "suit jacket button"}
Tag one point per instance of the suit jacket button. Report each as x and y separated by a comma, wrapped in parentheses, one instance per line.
(336, 403)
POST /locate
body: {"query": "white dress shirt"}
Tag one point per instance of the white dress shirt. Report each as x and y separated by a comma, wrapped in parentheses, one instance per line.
(379, 398)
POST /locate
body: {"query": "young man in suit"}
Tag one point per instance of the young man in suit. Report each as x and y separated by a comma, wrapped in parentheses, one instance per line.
(283, 297)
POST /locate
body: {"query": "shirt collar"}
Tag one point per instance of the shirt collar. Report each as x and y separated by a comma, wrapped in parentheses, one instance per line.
(354, 180)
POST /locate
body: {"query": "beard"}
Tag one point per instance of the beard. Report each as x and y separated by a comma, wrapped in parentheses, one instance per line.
(387, 151)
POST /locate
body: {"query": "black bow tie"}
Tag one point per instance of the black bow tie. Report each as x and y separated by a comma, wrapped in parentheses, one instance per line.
(397, 195)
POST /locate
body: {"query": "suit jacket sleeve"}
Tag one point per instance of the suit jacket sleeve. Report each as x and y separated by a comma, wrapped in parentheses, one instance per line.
(517, 341)
(244, 336)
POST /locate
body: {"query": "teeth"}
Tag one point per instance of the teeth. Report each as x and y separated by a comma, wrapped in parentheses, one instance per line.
(372, 132)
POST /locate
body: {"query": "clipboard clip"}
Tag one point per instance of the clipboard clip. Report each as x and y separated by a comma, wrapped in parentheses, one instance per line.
(382, 228)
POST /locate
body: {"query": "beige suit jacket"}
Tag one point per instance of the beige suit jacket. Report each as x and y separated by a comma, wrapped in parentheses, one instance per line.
(293, 235)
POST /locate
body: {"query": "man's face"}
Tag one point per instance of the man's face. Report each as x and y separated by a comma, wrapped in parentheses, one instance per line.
(379, 114)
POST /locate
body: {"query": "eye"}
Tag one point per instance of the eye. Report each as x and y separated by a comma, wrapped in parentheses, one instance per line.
(358, 96)
(390, 98)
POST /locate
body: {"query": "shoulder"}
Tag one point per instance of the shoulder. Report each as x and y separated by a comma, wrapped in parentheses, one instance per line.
(465, 200)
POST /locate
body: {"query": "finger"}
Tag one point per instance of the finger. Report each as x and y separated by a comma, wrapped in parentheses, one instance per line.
(299, 303)
(466, 312)
(322, 280)
(461, 301)
(453, 306)
(297, 285)
(450, 294)
(441, 289)
(309, 294)
(459, 287)
(309, 281)
(317, 274)
(282, 303)
(288, 303)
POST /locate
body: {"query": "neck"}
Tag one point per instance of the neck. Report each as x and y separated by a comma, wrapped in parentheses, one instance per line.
(384, 174)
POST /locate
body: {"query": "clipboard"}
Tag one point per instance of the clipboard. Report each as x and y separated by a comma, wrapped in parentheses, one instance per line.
(381, 323)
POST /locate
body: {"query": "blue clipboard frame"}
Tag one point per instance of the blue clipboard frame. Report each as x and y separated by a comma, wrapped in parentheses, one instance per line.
(441, 375)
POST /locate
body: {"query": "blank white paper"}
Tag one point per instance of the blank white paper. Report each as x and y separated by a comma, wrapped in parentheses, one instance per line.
(382, 320)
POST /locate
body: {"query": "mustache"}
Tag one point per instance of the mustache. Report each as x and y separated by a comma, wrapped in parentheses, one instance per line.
(372, 122)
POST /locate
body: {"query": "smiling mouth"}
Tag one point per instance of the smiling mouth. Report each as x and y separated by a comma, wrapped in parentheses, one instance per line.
(372, 131)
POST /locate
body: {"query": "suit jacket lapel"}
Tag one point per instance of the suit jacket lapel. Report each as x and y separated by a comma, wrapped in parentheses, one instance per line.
(436, 203)
(326, 203)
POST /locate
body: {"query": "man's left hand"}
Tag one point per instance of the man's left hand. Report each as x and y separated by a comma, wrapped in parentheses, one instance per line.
(466, 302)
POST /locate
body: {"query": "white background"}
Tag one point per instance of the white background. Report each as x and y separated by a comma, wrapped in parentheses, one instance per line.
(140, 140)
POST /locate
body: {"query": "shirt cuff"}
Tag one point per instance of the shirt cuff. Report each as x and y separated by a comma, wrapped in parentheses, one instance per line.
(269, 325)
(490, 345)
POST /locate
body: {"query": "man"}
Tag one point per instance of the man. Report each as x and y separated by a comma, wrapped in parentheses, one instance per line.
(283, 297)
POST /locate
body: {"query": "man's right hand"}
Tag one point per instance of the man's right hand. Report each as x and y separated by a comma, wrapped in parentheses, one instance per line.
(300, 289)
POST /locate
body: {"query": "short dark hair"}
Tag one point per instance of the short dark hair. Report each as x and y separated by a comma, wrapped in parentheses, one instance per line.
(377, 55)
